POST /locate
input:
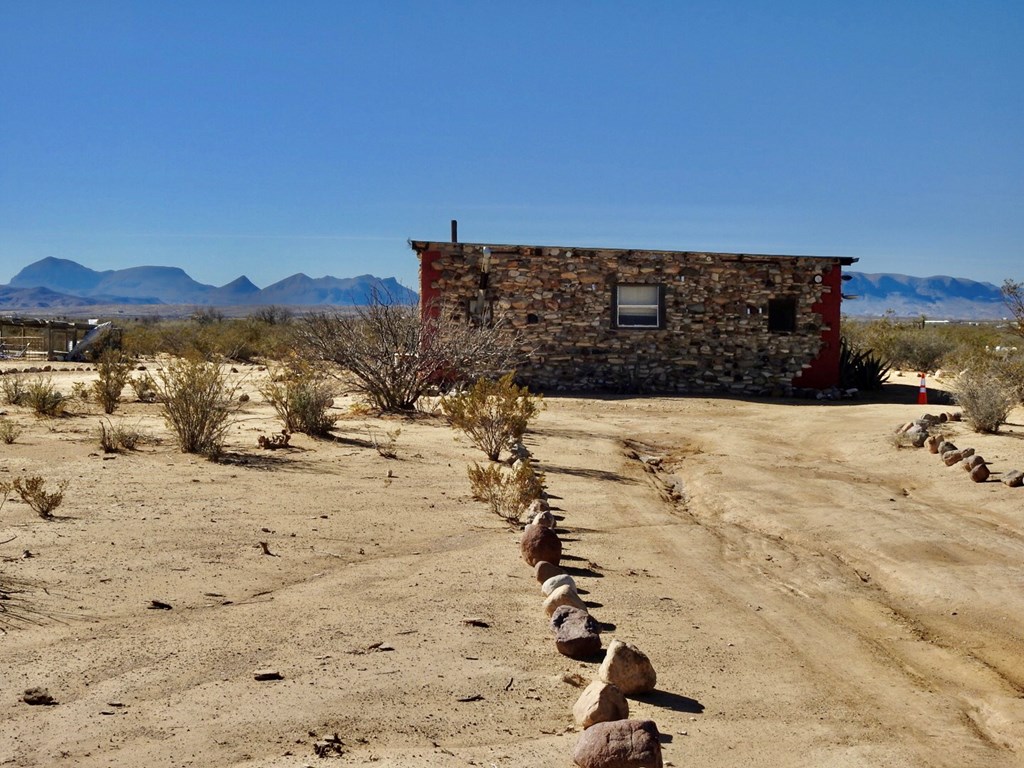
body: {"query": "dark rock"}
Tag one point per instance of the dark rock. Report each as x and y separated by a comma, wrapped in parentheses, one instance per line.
(539, 543)
(945, 447)
(619, 744)
(267, 674)
(980, 473)
(38, 697)
(577, 633)
(971, 462)
(949, 458)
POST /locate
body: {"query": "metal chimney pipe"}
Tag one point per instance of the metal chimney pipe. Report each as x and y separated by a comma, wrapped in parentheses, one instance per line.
(455, 231)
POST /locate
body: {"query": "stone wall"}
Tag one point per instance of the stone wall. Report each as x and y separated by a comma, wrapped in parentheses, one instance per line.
(715, 335)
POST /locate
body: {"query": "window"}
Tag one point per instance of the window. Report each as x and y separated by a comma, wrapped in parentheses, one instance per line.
(638, 306)
(782, 315)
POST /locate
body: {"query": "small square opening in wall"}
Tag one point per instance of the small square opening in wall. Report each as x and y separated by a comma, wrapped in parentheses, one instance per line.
(782, 315)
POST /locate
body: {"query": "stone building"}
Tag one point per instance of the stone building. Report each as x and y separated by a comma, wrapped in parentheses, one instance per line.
(653, 321)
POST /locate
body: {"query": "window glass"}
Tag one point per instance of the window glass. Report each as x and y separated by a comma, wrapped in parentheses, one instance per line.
(638, 306)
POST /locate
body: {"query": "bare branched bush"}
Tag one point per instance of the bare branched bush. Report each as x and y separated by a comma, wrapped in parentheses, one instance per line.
(1013, 297)
(397, 353)
(507, 491)
(301, 395)
(386, 442)
(113, 369)
(145, 388)
(12, 389)
(10, 431)
(198, 403)
(32, 491)
(115, 437)
(43, 397)
(985, 397)
(494, 414)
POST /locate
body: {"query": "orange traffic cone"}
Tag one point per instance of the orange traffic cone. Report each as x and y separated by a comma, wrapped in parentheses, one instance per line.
(922, 395)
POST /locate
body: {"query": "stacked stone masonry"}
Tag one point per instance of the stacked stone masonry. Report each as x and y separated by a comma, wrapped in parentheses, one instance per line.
(714, 331)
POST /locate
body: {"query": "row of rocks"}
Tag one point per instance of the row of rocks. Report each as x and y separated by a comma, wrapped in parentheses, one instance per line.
(609, 739)
(966, 458)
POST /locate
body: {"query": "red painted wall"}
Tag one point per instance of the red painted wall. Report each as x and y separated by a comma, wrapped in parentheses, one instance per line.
(430, 297)
(824, 370)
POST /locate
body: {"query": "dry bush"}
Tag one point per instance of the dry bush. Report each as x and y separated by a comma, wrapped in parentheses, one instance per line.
(113, 438)
(398, 353)
(145, 388)
(81, 391)
(113, 368)
(198, 403)
(386, 443)
(494, 414)
(985, 398)
(12, 389)
(9, 431)
(508, 492)
(301, 395)
(32, 491)
(43, 397)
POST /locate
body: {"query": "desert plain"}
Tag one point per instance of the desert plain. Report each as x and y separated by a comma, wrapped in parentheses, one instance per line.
(810, 593)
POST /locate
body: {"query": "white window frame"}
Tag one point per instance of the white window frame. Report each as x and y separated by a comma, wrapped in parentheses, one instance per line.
(638, 308)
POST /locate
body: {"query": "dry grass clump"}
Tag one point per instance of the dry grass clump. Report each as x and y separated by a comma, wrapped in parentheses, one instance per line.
(9, 431)
(43, 397)
(12, 389)
(116, 437)
(301, 394)
(32, 491)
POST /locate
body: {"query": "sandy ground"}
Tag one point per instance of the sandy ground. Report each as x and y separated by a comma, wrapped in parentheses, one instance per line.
(819, 597)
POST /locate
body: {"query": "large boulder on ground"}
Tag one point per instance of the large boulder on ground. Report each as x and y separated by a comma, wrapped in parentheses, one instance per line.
(1014, 478)
(970, 462)
(619, 744)
(949, 458)
(539, 543)
(543, 570)
(563, 596)
(561, 580)
(980, 473)
(945, 446)
(600, 702)
(577, 633)
(628, 668)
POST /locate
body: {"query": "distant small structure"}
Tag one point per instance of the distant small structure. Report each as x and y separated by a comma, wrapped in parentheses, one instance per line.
(33, 339)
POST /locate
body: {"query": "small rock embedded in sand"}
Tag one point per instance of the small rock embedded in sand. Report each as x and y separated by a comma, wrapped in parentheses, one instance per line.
(600, 702)
(267, 674)
(628, 668)
(619, 744)
(577, 633)
(561, 580)
(563, 596)
(540, 543)
(1014, 478)
(544, 570)
(38, 697)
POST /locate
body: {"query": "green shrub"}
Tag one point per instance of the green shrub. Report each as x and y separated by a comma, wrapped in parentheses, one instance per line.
(861, 368)
(301, 395)
(197, 403)
(508, 492)
(42, 397)
(494, 414)
(113, 368)
(985, 397)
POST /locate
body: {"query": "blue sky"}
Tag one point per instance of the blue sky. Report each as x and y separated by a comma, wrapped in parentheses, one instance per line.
(268, 138)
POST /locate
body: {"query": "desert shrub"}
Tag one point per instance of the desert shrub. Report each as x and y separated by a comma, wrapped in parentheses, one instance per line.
(492, 413)
(113, 369)
(1013, 297)
(386, 442)
(985, 398)
(301, 396)
(115, 437)
(12, 388)
(396, 353)
(9, 431)
(32, 491)
(862, 369)
(507, 491)
(43, 397)
(145, 388)
(197, 403)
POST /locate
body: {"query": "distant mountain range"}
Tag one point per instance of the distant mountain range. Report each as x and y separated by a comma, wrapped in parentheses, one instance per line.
(61, 283)
(64, 284)
(937, 298)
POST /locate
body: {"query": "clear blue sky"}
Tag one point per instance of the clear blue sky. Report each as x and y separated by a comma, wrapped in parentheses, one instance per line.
(268, 138)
